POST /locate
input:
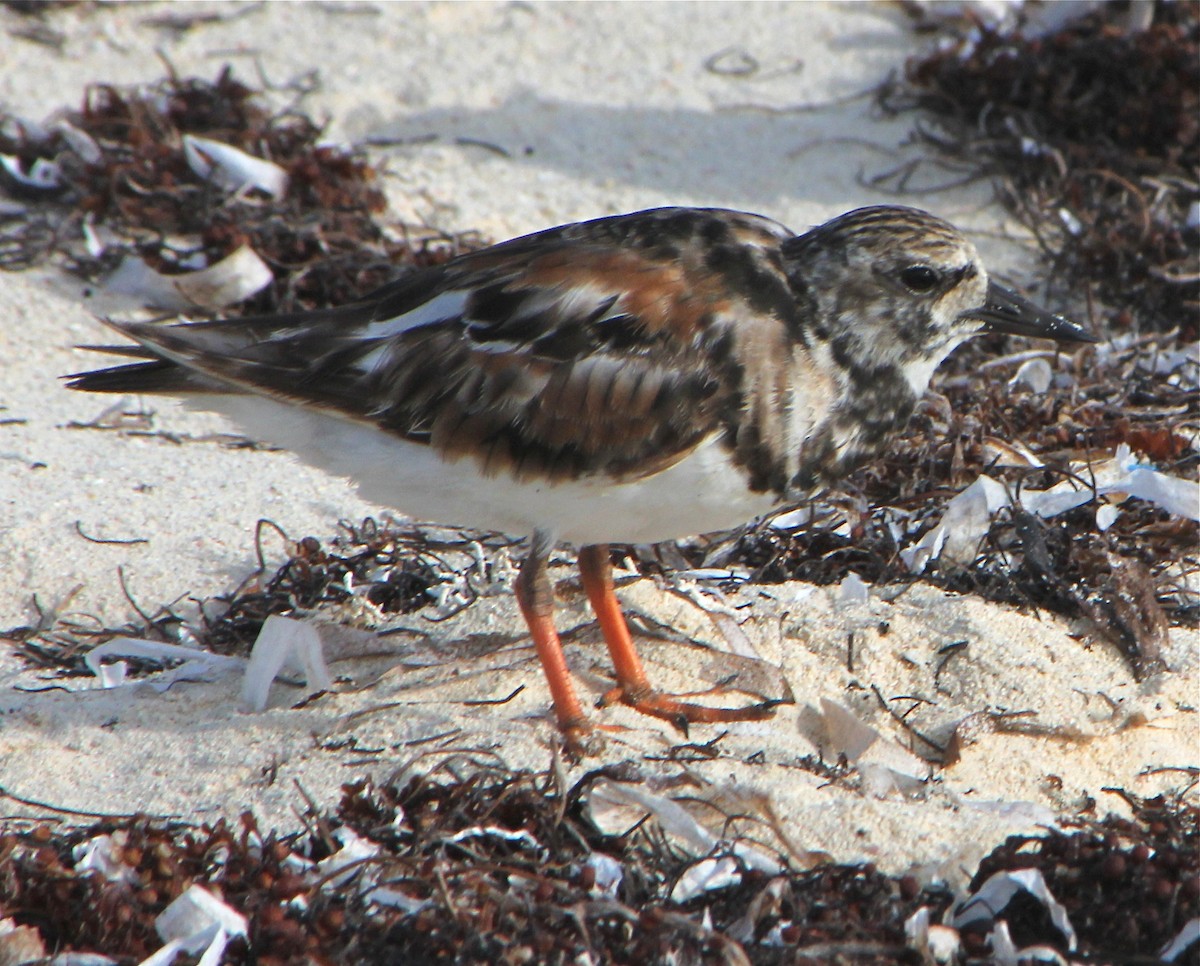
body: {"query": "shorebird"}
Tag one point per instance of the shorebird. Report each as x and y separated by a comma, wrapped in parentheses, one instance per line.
(631, 379)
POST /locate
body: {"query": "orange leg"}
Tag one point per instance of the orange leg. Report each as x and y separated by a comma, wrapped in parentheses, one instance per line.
(536, 599)
(633, 687)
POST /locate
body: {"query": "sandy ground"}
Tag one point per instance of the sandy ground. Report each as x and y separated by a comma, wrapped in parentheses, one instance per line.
(599, 108)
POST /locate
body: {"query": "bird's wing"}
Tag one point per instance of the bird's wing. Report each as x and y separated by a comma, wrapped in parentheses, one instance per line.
(600, 347)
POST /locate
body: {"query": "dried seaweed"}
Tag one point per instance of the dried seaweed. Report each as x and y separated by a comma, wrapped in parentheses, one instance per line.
(371, 570)
(1092, 136)
(121, 175)
(1126, 883)
(500, 867)
(385, 567)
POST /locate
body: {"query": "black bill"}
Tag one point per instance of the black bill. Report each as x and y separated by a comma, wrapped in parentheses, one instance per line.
(1013, 314)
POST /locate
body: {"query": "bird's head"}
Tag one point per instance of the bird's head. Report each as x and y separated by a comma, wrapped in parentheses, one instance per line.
(894, 289)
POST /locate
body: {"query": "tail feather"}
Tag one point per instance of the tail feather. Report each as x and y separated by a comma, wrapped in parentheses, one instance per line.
(158, 376)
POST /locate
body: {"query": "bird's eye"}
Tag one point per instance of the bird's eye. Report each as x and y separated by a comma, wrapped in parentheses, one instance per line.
(920, 279)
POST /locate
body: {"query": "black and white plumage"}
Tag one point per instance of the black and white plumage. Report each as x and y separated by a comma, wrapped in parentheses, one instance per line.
(631, 379)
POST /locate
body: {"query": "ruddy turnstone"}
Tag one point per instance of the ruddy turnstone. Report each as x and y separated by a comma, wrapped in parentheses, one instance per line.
(631, 379)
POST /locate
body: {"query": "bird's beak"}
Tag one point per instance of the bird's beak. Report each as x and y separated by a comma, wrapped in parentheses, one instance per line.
(1006, 311)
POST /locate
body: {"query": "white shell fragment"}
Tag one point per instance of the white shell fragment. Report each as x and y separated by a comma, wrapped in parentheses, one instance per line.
(42, 175)
(518, 837)
(283, 643)
(80, 142)
(1106, 516)
(196, 921)
(963, 525)
(886, 768)
(395, 899)
(234, 278)
(1188, 936)
(969, 514)
(1036, 374)
(191, 664)
(22, 944)
(1070, 222)
(335, 870)
(989, 902)
(938, 945)
(707, 875)
(941, 944)
(609, 874)
(1123, 476)
(1002, 452)
(101, 854)
(853, 590)
(233, 168)
(676, 821)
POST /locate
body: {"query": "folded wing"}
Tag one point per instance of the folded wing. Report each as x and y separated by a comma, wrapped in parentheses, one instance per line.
(596, 348)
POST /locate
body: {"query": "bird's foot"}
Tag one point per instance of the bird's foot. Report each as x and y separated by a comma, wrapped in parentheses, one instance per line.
(581, 737)
(670, 708)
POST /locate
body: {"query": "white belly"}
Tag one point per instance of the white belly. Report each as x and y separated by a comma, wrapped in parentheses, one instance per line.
(701, 493)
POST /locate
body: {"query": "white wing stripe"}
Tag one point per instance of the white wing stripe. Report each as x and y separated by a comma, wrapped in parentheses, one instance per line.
(440, 308)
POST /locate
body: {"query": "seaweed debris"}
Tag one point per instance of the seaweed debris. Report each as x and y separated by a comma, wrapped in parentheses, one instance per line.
(114, 179)
(508, 867)
(364, 573)
(1091, 134)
